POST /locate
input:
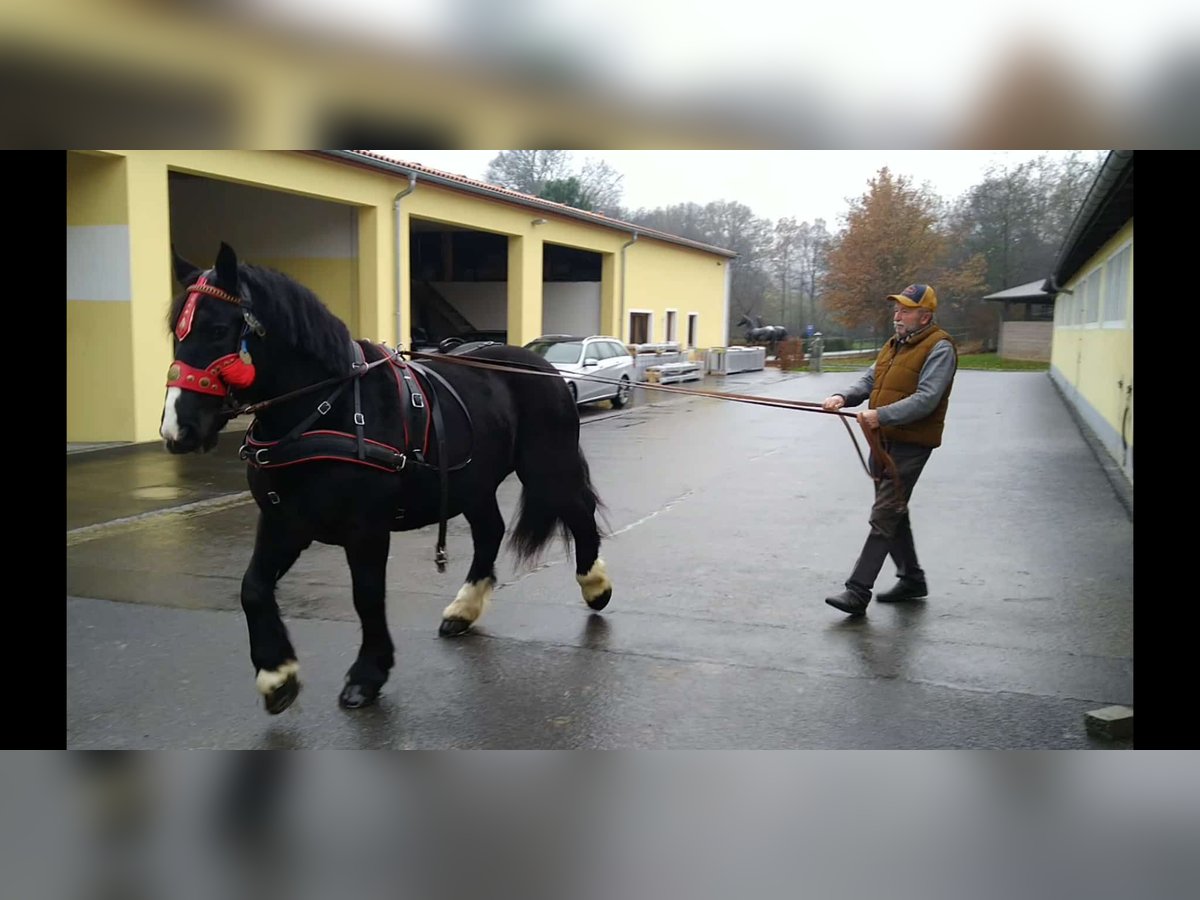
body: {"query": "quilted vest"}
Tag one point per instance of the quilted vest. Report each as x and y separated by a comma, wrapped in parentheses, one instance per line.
(897, 371)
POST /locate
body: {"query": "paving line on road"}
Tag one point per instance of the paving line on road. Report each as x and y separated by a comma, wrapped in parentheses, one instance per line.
(130, 523)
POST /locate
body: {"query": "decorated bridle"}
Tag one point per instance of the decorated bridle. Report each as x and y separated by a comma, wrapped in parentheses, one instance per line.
(226, 373)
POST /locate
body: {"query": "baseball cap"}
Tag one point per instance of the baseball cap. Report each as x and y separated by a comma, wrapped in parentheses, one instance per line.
(921, 295)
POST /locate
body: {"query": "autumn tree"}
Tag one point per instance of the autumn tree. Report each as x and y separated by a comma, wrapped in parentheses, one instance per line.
(890, 241)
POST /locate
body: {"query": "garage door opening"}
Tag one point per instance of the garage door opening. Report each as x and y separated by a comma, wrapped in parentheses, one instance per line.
(459, 283)
(570, 290)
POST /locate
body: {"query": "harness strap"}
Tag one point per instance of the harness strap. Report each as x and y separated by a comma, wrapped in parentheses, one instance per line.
(322, 409)
(439, 432)
(358, 366)
(328, 445)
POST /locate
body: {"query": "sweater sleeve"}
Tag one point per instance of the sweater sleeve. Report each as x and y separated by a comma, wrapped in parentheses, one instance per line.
(861, 389)
(936, 376)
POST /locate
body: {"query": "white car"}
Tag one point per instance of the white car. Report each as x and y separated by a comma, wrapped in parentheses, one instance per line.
(595, 368)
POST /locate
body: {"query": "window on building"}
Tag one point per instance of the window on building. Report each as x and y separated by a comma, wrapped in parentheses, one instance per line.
(672, 330)
(1117, 287)
(639, 328)
(1092, 297)
(693, 326)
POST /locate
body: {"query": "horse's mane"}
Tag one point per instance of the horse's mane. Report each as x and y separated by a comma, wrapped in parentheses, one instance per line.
(292, 313)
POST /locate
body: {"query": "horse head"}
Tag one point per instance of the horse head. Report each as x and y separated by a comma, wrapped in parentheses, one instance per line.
(242, 334)
(213, 336)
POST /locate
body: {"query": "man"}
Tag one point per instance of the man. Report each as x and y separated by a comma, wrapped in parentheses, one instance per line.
(908, 386)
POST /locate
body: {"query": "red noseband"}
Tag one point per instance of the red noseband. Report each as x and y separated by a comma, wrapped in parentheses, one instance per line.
(227, 372)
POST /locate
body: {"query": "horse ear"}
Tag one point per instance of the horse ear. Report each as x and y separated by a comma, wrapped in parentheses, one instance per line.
(227, 266)
(185, 272)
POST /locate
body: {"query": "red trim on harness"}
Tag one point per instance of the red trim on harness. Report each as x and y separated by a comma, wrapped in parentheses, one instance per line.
(425, 392)
(255, 444)
(403, 397)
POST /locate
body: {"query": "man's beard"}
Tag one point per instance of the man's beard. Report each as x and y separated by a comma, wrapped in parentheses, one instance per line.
(903, 334)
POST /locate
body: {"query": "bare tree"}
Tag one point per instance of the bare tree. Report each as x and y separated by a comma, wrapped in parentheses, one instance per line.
(527, 171)
(786, 259)
(813, 243)
(602, 187)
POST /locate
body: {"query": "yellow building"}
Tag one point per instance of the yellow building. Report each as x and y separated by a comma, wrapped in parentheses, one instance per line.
(400, 252)
(1091, 359)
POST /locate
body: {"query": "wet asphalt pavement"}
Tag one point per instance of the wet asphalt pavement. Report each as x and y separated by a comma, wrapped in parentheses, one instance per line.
(729, 523)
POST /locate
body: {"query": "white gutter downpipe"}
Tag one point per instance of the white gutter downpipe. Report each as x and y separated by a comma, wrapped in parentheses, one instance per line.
(412, 186)
(623, 325)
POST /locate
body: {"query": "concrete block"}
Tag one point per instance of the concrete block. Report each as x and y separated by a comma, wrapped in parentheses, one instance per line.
(1110, 722)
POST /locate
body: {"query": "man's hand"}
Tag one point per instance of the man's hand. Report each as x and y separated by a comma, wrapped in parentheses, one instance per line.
(837, 401)
(869, 418)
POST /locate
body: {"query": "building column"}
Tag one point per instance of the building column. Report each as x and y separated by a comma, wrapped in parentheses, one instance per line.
(377, 251)
(152, 287)
(610, 313)
(524, 289)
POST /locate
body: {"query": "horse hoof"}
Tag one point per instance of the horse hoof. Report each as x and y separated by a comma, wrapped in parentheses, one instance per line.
(453, 627)
(356, 696)
(600, 602)
(281, 698)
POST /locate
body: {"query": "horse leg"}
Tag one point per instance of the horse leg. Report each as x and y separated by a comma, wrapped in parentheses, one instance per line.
(487, 532)
(271, 649)
(580, 517)
(368, 569)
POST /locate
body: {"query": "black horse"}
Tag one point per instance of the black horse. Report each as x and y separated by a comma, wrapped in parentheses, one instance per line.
(758, 333)
(349, 443)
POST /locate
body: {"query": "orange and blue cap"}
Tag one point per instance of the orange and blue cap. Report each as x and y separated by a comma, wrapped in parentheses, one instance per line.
(916, 295)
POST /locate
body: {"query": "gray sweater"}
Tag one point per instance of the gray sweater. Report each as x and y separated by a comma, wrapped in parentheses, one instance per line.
(936, 375)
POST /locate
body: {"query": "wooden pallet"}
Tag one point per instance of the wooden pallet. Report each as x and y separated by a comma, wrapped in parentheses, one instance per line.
(669, 373)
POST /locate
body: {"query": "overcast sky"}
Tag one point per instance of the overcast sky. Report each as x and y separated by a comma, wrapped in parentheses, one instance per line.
(806, 184)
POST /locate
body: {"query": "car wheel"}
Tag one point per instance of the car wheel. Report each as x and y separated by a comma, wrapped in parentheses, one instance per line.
(623, 392)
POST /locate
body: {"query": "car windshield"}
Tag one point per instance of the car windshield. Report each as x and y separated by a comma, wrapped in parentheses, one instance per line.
(558, 351)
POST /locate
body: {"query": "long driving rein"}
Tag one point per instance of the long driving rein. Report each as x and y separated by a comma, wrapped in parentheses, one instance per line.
(236, 369)
(872, 436)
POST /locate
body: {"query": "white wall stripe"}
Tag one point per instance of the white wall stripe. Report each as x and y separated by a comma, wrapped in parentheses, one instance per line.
(98, 263)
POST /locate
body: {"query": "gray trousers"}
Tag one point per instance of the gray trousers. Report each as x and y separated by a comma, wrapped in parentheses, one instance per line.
(891, 531)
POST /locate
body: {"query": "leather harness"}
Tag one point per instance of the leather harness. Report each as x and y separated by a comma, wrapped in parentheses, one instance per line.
(421, 417)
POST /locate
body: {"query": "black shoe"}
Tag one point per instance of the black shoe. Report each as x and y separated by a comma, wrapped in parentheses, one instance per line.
(849, 602)
(904, 590)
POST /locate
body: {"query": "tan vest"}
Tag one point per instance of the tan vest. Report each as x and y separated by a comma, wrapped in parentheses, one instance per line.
(897, 371)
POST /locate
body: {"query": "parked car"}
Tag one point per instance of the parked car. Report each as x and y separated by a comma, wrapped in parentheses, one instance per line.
(597, 367)
(468, 339)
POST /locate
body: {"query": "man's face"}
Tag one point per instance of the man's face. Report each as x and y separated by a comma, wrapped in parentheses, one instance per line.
(908, 319)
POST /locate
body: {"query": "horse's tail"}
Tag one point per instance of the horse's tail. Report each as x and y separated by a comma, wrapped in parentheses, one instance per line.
(545, 507)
